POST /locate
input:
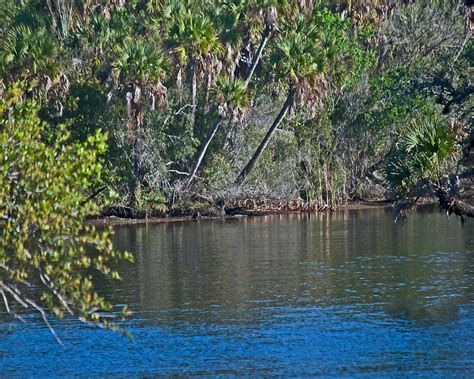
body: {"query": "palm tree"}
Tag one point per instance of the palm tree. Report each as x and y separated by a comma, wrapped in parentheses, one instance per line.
(426, 153)
(233, 99)
(197, 45)
(300, 60)
(270, 19)
(232, 93)
(248, 20)
(314, 54)
(29, 53)
(32, 55)
(425, 150)
(140, 69)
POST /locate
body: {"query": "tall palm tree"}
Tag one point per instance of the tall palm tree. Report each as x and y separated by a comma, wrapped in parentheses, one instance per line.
(233, 99)
(251, 22)
(197, 44)
(140, 69)
(313, 55)
(269, 10)
(233, 94)
(300, 60)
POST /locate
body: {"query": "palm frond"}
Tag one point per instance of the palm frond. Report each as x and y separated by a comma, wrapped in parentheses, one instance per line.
(427, 146)
(137, 60)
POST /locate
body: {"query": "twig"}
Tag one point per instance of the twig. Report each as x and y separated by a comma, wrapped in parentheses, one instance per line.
(50, 285)
(45, 319)
(179, 172)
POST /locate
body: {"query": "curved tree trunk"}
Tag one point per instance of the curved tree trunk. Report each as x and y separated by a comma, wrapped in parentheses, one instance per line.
(203, 149)
(284, 110)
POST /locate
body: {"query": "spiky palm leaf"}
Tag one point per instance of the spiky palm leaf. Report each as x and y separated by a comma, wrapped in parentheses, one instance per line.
(140, 62)
(232, 96)
(298, 62)
(235, 92)
(298, 56)
(31, 50)
(426, 147)
(194, 36)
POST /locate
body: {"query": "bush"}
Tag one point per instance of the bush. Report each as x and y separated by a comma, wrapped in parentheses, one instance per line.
(47, 254)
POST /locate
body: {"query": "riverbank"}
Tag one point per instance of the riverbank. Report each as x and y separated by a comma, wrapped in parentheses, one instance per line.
(232, 213)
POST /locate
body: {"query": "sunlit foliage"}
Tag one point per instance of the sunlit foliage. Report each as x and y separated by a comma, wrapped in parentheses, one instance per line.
(47, 254)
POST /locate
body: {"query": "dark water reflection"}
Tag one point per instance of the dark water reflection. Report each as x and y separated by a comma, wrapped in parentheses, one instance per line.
(344, 294)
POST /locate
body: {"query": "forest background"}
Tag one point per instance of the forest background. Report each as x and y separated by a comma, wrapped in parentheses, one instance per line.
(216, 106)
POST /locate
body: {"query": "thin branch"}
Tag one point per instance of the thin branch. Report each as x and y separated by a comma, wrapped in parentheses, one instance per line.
(183, 108)
(45, 319)
(51, 286)
(5, 300)
(18, 317)
(179, 172)
(15, 295)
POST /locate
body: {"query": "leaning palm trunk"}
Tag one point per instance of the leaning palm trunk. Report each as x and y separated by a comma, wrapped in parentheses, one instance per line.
(135, 108)
(261, 148)
(212, 133)
(263, 42)
(204, 147)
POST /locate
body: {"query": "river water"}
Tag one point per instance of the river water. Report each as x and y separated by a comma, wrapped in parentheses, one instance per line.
(343, 294)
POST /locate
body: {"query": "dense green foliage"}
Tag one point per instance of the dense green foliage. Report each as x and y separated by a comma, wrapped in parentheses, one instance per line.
(303, 99)
(425, 147)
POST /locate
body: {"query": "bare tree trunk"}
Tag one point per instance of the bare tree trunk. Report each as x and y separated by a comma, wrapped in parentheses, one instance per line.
(284, 110)
(135, 111)
(206, 96)
(203, 149)
(212, 133)
(258, 55)
(193, 93)
(136, 155)
(61, 16)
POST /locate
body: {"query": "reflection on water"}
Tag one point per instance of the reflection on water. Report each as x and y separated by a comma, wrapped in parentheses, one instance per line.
(348, 293)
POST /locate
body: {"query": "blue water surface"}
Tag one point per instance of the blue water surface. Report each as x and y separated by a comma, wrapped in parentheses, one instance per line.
(344, 295)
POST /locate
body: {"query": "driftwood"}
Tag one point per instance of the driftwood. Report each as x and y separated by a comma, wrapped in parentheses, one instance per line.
(122, 211)
(453, 205)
